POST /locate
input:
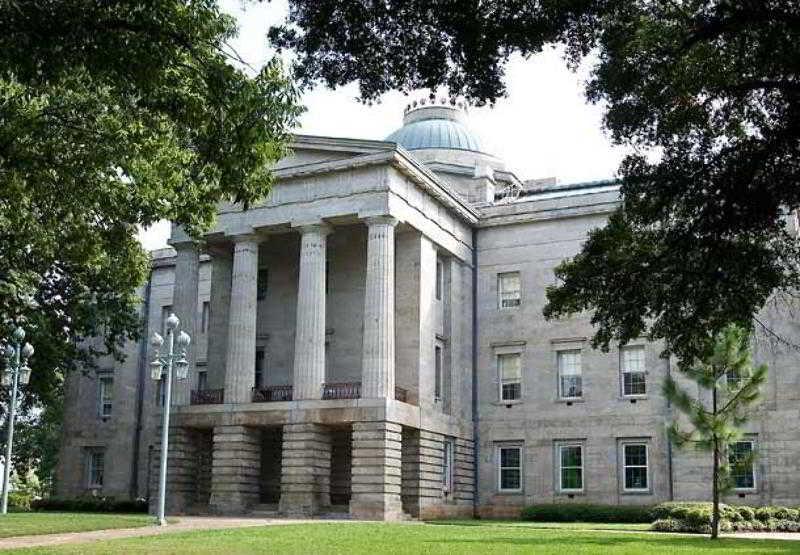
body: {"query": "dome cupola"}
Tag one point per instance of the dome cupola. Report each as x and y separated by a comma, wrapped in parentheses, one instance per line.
(440, 125)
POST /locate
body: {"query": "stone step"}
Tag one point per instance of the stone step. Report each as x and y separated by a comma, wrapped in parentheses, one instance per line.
(265, 510)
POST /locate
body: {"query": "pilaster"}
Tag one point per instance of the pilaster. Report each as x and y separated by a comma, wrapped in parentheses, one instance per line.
(376, 471)
(378, 357)
(306, 469)
(235, 471)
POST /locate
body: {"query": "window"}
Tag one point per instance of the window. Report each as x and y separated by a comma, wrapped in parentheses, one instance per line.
(570, 383)
(570, 467)
(447, 466)
(205, 319)
(508, 290)
(261, 284)
(634, 381)
(165, 312)
(734, 379)
(439, 278)
(161, 393)
(97, 461)
(105, 397)
(438, 364)
(509, 468)
(634, 458)
(259, 368)
(740, 459)
(202, 380)
(509, 369)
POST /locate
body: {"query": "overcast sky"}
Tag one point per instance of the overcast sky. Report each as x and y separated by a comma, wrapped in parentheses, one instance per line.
(543, 128)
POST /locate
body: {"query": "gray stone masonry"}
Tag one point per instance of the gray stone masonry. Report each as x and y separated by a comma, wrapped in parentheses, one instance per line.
(183, 467)
(376, 471)
(306, 469)
(235, 469)
(464, 473)
(422, 470)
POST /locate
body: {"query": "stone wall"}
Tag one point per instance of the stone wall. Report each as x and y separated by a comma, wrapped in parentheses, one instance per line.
(236, 469)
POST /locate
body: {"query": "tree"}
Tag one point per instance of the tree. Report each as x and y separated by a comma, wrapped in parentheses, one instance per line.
(114, 115)
(706, 95)
(733, 385)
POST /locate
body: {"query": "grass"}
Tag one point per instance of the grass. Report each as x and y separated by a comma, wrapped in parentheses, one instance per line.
(30, 524)
(417, 539)
(612, 526)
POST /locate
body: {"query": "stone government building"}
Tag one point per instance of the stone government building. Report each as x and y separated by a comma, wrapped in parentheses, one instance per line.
(369, 339)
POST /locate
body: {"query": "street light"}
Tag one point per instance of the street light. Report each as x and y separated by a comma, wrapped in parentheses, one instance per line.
(161, 368)
(17, 373)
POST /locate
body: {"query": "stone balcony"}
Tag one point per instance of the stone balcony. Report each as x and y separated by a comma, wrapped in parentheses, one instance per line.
(282, 393)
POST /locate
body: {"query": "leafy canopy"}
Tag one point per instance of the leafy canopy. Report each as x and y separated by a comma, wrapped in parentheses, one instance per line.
(704, 92)
(116, 114)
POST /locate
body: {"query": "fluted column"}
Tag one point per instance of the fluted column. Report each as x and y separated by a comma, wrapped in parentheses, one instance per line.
(240, 358)
(184, 305)
(309, 345)
(221, 268)
(377, 374)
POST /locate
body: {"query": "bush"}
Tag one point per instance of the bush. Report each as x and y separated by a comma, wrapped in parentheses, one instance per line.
(19, 501)
(696, 518)
(90, 505)
(582, 512)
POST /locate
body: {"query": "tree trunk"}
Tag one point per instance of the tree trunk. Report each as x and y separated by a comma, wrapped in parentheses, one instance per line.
(715, 486)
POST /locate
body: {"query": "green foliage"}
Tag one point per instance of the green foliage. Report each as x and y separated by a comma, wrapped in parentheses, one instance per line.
(704, 94)
(19, 501)
(116, 115)
(696, 518)
(569, 512)
(90, 504)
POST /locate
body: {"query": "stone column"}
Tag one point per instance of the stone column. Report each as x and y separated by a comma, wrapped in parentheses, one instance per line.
(423, 462)
(235, 469)
(184, 305)
(305, 469)
(309, 345)
(376, 471)
(240, 358)
(377, 373)
(221, 267)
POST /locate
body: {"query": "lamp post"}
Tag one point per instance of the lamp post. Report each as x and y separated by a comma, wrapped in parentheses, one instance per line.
(161, 368)
(17, 373)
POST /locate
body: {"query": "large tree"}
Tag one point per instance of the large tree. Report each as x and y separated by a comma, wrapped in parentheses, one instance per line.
(113, 115)
(705, 93)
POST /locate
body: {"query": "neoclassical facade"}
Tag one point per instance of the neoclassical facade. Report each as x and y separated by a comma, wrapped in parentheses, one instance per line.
(369, 340)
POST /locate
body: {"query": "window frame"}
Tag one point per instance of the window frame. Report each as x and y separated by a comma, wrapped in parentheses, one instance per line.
(447, 465)
(260, 372)
(103, 386)
(623, 371)
(91, 468)
(559, 448)
(262, 283)
(559, 373)
(753, 472)
(498, 461)
(625, 466)
(438, 371)
(439, 286)
(501, 381)
(501, 292)
(205, 316)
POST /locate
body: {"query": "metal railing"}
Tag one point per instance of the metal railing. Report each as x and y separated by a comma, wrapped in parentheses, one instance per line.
(272, 393)
(208, 396)
(341, 390)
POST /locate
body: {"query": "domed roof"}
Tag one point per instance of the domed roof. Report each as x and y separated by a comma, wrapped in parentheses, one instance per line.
(436, 126)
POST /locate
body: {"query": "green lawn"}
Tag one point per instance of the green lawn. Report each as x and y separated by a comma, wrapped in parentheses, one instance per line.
(28, 524)
(416, 539)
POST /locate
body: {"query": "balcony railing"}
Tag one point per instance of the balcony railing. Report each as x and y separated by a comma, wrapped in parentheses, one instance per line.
(341, 390)
(272, 393)
(208, 396)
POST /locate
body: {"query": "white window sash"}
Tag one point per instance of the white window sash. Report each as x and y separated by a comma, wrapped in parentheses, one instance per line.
(626, 466)
(561, 468)
(752, 468)
(500, 468)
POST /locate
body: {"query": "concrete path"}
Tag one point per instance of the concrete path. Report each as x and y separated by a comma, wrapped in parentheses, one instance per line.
(183, 524)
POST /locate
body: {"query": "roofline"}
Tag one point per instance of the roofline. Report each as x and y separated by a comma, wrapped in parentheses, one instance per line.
(322, 142)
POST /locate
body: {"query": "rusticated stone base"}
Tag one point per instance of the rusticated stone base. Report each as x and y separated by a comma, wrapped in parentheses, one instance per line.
(235, 469)
(376, 471)
(306, 469)
(186, 462)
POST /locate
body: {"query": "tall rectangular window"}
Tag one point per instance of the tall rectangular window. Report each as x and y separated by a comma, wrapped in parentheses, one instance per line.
(740, 459)
(570, 467)
(161, 393)
(439, 278)
(105, 395)
(509, 468)
(635, 466)
(447, 466)
(634, 380)
(165, 312)
(259, 368)
(570, 382)
(262, 282)
(205, 319)
(509, 369)
(509, 290)
(438, 365)
(96, 470)
(202, 380)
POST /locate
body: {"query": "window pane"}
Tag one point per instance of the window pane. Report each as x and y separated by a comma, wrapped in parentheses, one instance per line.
(634, 383)
(633, 359)
(510, 366)
(636, 478)
(740, 460)
(510, 457)
(571, 456)
(571, 386)
(569, 363)
(510, 478)
(512, 391)
(508, 287)
(635, 455)
(571, 478)
(262, 282)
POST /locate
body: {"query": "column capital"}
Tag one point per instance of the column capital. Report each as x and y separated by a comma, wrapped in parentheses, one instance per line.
(319, 227)
(380, 220)
(185, 244)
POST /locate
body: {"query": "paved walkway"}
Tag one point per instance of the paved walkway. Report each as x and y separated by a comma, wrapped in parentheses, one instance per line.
(191, 523)
(183, 524)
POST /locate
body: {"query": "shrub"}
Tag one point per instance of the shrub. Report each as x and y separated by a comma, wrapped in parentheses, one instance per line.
(746, 513)
(696, 517)
(91, 505)
(583, 512)
(19, 501)
(666, 525)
